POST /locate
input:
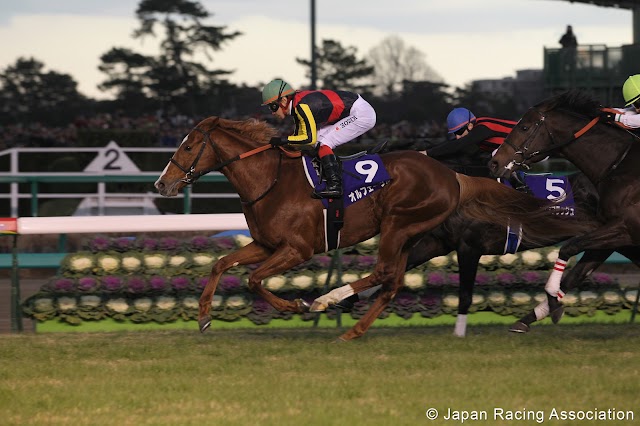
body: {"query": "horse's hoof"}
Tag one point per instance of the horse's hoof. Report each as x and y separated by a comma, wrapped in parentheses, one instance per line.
(317, 307)
(302, 305)
(340, 340)
(557, 314)
(519, 327)
(204, 323)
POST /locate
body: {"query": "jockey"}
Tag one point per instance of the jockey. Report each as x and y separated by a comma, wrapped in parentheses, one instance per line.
(324, 120)
(630, 115)
(473, 141)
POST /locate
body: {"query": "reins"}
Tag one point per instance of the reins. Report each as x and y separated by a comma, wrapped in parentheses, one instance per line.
(191, 175)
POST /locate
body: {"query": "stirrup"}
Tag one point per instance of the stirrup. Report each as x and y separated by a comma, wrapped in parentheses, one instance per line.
(327, 194)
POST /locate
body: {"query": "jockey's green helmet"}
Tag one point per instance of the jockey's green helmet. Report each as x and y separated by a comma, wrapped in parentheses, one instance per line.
(631, 89)
(275, 90)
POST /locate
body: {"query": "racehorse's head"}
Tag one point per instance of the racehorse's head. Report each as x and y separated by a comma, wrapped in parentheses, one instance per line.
(545, 128)
(212, 145)
(191, 160)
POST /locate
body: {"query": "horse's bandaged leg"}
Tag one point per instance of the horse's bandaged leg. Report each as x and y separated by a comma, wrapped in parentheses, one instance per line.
(460, 329)
(542, 310)
(331, 298)
(553, 283)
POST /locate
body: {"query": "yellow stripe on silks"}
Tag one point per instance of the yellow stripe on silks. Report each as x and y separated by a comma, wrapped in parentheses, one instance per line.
(307, 133)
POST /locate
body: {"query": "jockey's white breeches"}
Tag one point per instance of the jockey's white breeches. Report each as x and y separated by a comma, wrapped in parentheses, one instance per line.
(361, 118)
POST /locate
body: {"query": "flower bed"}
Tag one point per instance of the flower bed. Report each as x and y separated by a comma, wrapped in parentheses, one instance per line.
(161, 280)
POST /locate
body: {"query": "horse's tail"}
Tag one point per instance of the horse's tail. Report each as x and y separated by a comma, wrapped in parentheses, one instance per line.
(487, 200)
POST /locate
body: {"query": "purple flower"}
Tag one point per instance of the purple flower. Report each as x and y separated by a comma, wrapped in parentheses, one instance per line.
(430, 299)
(157, 283)
(200, 243)
(530, 277)
(483, 279)
(505, 278)
(169, 243)
(136, 284)
(223, 243)
(366, 263)
(322, 261)
(202, 282)
(437, 279)
(229, 283)
(86, 284)
(99, 244)
(122, 244)
(63, 285)
(601, 278)
(454, 279)
(261, 307)
(111, 283)
(405, 300)
(180, 283)
(148, 244)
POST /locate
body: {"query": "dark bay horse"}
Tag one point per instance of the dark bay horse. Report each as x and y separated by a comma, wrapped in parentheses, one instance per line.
(471, 239)
(287, 225)
(568, 125)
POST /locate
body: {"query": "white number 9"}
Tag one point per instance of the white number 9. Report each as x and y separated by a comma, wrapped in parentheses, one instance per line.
(368, 168)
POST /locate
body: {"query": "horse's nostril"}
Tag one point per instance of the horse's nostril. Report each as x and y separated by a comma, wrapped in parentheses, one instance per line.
(160, 185)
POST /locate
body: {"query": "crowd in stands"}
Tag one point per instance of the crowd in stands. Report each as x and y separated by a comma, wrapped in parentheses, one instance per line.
(169, 131)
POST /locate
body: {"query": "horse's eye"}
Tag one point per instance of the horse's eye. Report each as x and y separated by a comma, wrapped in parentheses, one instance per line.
(187, 148)
(525, 128)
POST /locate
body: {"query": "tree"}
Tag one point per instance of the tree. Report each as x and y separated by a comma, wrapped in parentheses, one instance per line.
(174, 76)
(128, 78)
(396, 62)
(338, 67)
(29, 93)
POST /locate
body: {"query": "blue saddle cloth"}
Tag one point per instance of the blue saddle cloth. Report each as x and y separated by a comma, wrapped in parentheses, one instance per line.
(544, 186)
(552, 188)
(361, 177)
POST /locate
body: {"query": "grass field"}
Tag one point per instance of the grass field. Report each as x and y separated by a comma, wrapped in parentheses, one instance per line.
(273, 376)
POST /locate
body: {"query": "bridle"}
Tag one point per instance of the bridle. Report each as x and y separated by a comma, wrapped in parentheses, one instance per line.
(523, 149)
(191, 175)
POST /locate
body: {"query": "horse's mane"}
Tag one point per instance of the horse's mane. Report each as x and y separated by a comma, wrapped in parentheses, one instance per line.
(572, 100)
(251, 128)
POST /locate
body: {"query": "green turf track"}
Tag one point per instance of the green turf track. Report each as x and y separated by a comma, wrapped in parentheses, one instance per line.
(478, 318)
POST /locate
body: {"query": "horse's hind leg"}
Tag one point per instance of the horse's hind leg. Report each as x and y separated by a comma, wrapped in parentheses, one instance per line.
(338, 294)
(392, 277)
(251, 253)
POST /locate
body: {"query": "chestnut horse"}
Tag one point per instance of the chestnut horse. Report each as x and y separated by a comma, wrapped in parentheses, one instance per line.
(567, 125)
(287, 225)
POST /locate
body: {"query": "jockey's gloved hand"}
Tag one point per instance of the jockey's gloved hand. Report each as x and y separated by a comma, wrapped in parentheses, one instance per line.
(276, 142)
(607, 117)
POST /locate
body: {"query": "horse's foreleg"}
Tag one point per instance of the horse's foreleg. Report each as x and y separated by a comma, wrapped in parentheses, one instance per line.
(282, 260)
(589, 262)
(251, 253)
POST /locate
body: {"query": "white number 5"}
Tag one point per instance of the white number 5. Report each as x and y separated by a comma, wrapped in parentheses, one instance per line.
(554, 186)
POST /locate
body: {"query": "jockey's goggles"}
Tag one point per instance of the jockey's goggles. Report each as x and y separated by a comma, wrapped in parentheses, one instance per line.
(461, 130)
(273, 106)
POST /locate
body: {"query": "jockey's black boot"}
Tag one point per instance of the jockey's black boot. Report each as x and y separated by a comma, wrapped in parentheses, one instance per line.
(518, 184)
(331, 172)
